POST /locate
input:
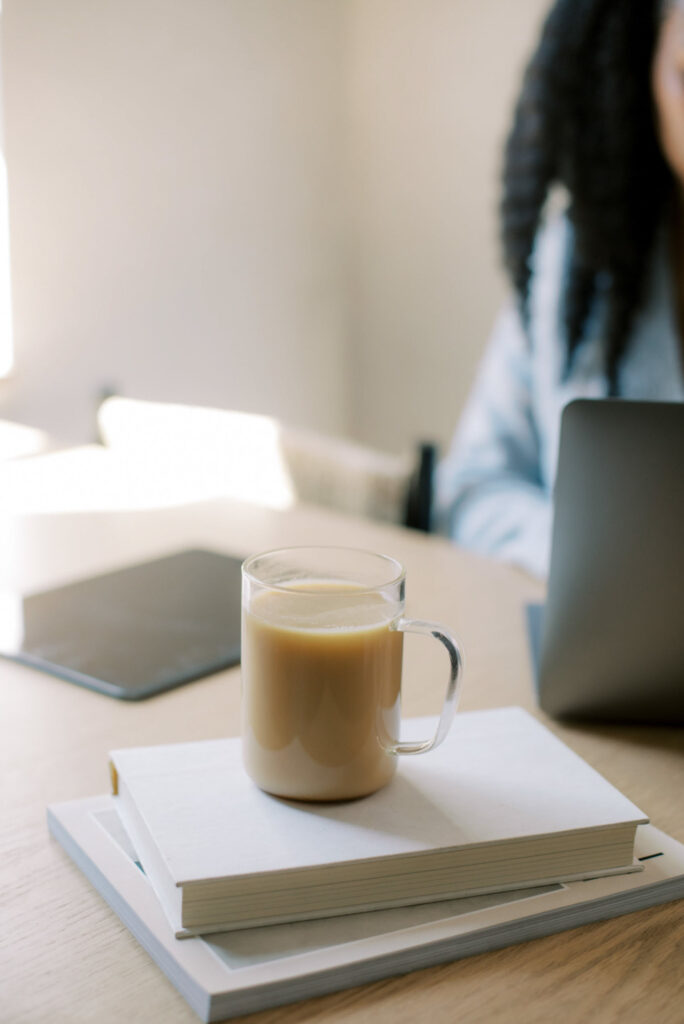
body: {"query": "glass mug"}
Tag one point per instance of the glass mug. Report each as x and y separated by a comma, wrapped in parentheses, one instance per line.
(322, 641)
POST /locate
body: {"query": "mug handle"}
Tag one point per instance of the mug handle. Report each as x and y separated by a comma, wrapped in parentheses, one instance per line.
(453, 691)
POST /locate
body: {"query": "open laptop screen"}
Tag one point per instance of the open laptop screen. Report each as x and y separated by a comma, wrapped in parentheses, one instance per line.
(612, 638)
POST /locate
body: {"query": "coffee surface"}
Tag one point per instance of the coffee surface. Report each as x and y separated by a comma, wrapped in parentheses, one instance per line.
(321, 671)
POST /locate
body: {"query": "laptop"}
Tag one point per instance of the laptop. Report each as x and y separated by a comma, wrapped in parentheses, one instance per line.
(610, 639)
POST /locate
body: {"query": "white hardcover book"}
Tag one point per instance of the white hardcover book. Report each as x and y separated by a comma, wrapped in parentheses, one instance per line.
(500, 805)
(230, 974)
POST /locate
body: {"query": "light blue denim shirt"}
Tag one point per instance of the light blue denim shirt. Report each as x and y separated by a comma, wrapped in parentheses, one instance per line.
(494, 487)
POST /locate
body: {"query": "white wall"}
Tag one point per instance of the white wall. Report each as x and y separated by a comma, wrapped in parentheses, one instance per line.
(6, 340)
(285, 206)
(175, 207)
(433, 84)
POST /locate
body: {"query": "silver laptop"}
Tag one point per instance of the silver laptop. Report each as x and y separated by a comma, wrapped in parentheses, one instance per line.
(611, 636)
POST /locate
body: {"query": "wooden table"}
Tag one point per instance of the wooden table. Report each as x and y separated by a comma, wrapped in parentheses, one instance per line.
(64, 956)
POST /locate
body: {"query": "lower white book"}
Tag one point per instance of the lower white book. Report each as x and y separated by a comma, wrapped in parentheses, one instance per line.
(238, 972)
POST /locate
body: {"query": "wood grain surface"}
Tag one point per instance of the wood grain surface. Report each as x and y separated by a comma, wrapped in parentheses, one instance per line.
(65, 957)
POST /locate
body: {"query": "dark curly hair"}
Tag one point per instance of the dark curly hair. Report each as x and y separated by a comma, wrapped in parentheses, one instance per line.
(585, 120)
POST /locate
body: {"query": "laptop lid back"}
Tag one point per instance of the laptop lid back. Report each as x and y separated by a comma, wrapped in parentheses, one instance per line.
(612, 643)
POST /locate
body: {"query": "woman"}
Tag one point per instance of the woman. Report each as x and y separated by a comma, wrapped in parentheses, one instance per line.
(598, 305)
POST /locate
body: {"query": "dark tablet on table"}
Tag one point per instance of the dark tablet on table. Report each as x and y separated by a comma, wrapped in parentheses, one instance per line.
(135, 631)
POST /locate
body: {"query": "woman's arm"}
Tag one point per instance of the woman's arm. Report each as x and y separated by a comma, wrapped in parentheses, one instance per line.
(490, 495)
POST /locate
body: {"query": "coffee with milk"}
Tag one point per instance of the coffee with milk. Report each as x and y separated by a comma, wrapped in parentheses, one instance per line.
(322, 642)
(321, 685)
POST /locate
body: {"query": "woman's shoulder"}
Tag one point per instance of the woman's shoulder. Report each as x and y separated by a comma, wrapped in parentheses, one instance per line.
(553, 241)
(536, 334)
(549, 265)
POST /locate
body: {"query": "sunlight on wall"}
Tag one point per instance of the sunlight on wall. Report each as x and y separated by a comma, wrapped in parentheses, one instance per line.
(6, 352)
(6, 348)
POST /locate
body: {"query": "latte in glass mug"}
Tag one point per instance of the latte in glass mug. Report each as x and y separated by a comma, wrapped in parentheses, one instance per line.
(322, 640)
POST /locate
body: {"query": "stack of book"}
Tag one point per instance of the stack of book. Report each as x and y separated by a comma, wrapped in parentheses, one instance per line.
(248, 901)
